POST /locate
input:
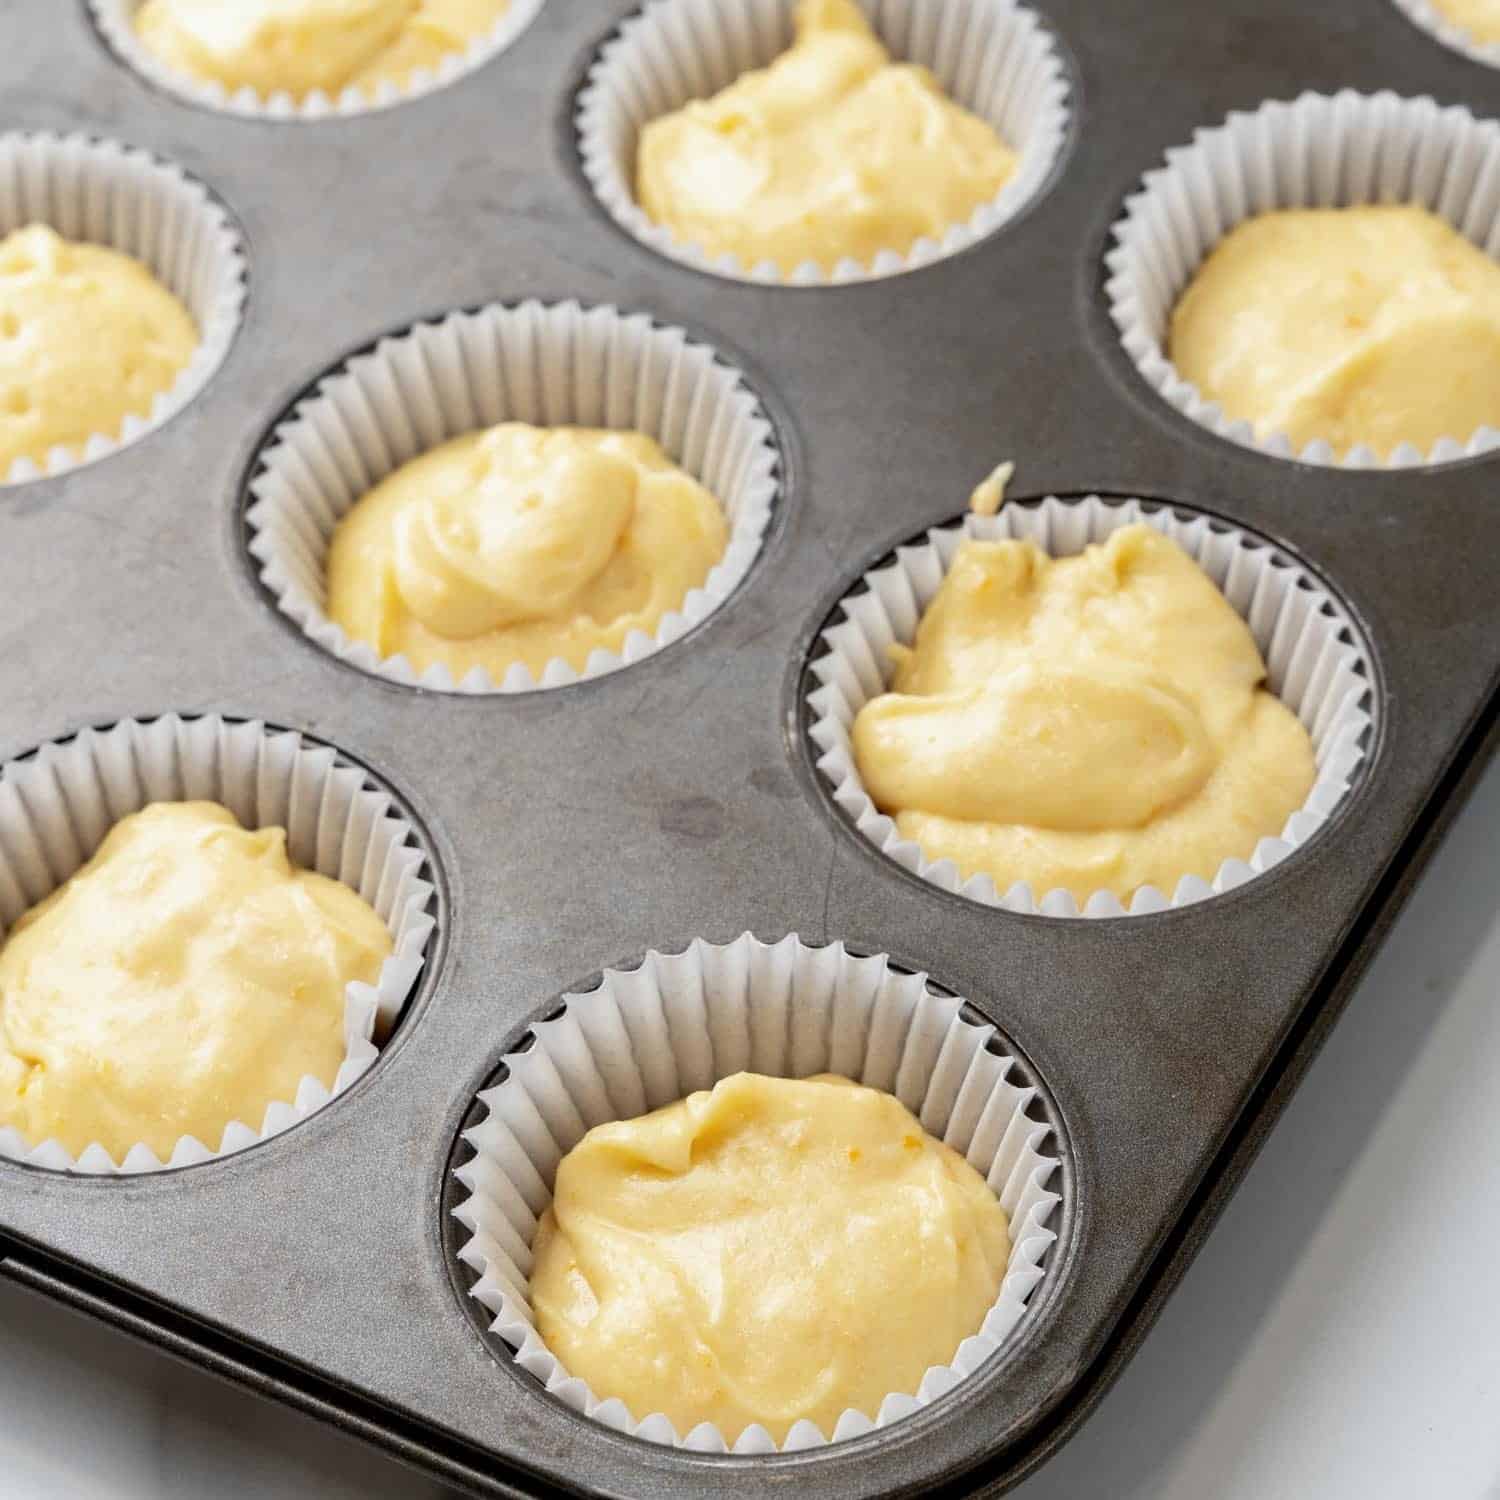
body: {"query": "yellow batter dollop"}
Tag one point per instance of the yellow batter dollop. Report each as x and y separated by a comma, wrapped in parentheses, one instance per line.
(832, 151)
(1480, 18)
(521, 544)
(773, 1250)
(1376, 325)
(1082, 723)
(188, 975)
(88, 337)
(301, 46)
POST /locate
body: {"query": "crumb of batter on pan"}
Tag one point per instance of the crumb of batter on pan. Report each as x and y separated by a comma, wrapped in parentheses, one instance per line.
(989, 493)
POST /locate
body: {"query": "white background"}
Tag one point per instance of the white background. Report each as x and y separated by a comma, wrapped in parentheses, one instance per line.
(1338, 1336)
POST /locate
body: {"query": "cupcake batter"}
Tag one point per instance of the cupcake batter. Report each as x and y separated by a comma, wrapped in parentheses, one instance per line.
(521, 544)
(1082, 723)
(301, 46)
(185, 977)
(1480, 18)
(88, 337)
(773, 1250)
(1376, 325)
(832, 151)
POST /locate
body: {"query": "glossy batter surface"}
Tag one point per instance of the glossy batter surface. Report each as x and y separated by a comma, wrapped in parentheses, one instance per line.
(188, 975)
(1083, 723)
(88, 337)
(831, 151)
(1480, 18)
(300, 46)
(772, 1250)
(522, 544)
(1376, 325)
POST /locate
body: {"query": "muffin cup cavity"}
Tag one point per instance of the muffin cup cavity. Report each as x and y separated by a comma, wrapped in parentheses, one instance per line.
(679, 1023)
(1316, 662)
(994, 57)
(57, 805)
(1426, 15)
(1318, 151)
(128, 200)
(115, 20)
(547, 364)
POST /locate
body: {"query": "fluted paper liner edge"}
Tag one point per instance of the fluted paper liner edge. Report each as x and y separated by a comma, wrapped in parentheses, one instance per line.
(1312, 650)
(1426, 15)
(115, 20)
(552, 364)
(57, 805)
(1317, 151)
(681, 1022)
(994, 57)
(127, 199)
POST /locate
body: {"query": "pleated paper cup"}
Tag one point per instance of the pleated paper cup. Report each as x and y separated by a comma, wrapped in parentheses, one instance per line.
(57, 805)
(1449, 32)
(1318, 151)
(115, 20)
(547, 364)
(679, 1023)
(1314, 655)
(994, 57)
(126, 199)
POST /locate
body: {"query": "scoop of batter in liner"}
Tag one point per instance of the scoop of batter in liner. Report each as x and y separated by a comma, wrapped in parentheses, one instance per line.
(88, 337)
(299, 47)
(187, 976)
(831, 151)
(1084, 723)
(522, 544)
(1377, 325)
(769, 1251)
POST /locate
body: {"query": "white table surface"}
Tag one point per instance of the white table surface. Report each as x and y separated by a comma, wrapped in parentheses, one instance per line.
(1338, 1336)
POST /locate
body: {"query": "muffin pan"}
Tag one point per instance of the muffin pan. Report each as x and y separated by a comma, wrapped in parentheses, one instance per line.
(571, 831)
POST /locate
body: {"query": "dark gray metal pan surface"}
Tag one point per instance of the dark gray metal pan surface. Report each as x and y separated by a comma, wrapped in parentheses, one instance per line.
(576, 828)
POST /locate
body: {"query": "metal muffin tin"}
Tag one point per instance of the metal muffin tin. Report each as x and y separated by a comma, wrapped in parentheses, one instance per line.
(574, 829)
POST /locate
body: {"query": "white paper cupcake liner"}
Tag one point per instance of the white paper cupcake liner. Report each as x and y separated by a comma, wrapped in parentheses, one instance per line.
(126, 199)
(1312, 650)
(550, 365)
(115, 20)
(57, 805)
(1314, 152)
(1450, 33)
(681, 1022)
(994, 57)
